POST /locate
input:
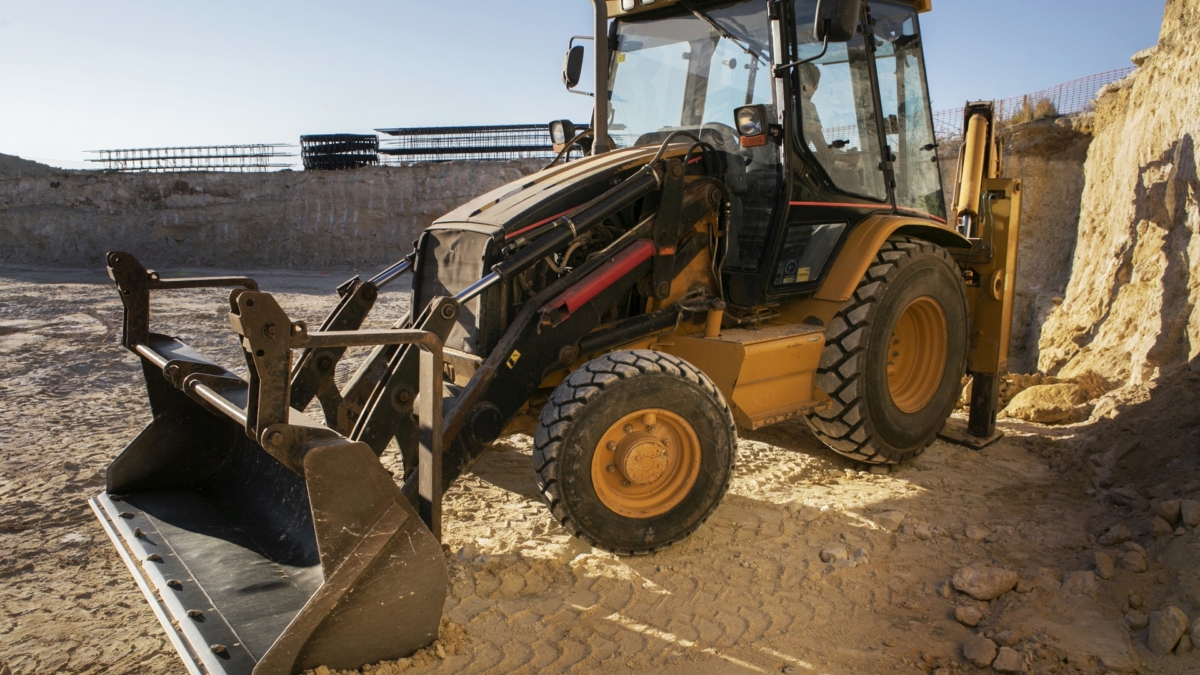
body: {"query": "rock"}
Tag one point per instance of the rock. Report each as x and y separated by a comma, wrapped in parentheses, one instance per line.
(968, 615)
(985, 583)
(1008, 661)
(1085, 642)
(1105, 565)
(1160, 527)
(980, 651)
(889, 520)
(977, 533)
(1135, 561)
(1045, 403)
(1133, 546)
(1136, 620)
(861, 557)
(1123, 496)
(1167, 510)
(1184, 646)
(1166, 627)
(1135, 601)
(1080, 583)
(1007, 638)
(804, 512)
(1179, 531)
(923, 532)
(1189, 512)
(835, 553)
(1117, 534)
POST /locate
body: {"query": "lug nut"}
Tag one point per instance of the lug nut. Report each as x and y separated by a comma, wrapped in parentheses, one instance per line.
(612, 445)
(628, 429)
(611, 468)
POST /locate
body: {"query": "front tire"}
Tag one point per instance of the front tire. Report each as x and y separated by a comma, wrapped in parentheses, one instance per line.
(894, 355)
(634, 451)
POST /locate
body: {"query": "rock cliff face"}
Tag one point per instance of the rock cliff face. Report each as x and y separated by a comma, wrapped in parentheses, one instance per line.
(1130, 310)
(308, 220)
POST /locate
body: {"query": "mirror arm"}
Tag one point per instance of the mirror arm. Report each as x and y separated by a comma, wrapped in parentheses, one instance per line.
(780, 70)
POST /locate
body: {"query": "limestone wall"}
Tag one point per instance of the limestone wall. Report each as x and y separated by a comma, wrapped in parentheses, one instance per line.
(310, 220)
(1048, 157)
(1130, 310)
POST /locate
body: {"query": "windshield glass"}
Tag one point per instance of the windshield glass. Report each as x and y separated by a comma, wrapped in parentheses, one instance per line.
(681, 73)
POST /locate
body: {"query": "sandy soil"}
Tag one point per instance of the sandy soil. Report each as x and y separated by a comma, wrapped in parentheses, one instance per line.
(749, 593)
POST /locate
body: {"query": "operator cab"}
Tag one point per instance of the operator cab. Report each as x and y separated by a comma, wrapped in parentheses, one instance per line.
(814, 135)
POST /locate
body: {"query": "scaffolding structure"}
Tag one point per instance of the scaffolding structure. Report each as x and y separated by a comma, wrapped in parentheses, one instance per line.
(339, 152)
(445, 144)
(231, 158)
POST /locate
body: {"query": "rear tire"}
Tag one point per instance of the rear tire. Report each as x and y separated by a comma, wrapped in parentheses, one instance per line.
(894, 355)
(634, 451)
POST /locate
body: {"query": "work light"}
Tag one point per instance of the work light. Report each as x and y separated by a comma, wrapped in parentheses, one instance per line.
(751, 122)
(561, 133)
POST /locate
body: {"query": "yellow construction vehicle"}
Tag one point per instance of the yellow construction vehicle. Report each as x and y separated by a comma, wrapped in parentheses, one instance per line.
(757, 233)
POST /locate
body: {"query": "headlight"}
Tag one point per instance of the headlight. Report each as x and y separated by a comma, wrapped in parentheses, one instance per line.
(628, 5)
(750, 120)
(561, 132)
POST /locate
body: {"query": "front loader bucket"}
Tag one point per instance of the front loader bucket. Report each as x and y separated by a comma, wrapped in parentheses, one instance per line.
(257, 565)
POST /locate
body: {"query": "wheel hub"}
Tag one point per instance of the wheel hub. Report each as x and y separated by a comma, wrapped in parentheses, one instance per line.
(642, 457)
(646, 463)
(917, 354)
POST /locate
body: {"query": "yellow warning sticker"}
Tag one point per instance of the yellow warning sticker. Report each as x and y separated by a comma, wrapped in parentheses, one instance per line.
(802, 274)
(512, 360)
(620, 58)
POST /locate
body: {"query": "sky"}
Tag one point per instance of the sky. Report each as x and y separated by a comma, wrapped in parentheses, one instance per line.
(78, 76)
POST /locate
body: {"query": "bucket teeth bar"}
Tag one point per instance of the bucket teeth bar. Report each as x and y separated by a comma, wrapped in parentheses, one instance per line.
(270, 543)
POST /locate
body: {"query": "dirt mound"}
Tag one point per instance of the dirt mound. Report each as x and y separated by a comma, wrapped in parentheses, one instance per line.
(12, 166)
(1130, 307)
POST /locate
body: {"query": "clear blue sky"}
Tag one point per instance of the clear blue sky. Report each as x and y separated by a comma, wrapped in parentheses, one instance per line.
(78, 76)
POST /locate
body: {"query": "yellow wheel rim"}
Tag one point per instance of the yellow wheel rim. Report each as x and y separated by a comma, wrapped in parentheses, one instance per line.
(646, 463)
(917, 354)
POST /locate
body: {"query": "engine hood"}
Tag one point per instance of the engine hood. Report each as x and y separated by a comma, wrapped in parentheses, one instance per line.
(548, 194)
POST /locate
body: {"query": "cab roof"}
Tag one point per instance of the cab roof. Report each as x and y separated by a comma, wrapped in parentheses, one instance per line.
(615, 11)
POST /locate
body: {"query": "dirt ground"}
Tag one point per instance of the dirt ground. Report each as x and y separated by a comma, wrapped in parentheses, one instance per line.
(749, 593)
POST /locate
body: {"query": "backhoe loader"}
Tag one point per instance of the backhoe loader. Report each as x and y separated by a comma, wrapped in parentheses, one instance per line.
(757, 233)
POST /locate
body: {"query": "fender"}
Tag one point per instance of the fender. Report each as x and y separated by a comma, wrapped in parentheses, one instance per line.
(863, 243)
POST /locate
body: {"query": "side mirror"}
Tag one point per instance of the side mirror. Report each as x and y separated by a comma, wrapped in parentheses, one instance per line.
(837, 20)
(573, 66)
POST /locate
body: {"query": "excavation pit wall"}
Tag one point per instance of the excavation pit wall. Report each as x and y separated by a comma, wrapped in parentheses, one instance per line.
(300, 220)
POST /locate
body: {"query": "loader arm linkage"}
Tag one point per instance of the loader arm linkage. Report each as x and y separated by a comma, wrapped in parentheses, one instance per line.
(270, 543)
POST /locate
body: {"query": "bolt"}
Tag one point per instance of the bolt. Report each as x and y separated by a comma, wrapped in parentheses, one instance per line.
(612, 445)
(275, 438)
(269, 331)
(651, 427)
(126, 515)
(448, 311)
(154, 557)
(172, 370)
(611, 468)
(195, 614)
(666, 442)
(137, 532)
(217, 649)
(664, 288)
(628, 429)
(625, 483)
(174, 583)
(403, 395)
(325, 363)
